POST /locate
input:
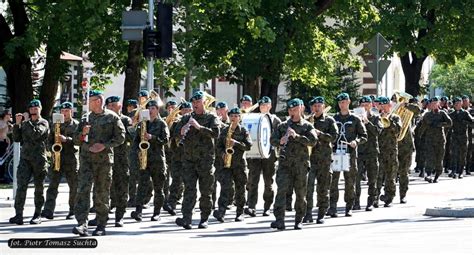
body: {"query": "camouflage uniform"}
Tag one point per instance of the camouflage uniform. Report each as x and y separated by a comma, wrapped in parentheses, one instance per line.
(367, 161)
(461, 120)
(237, 171)
(321, 164)
(267, 168)
(33, 136)
(293, 168)
(198, 165)
(406, 147)
(68, 168)
(354, 131)
(431, 127)
(470, 148)
(218, 166)
(389, 159)
(96, 168)
(447, 154)
(175, 168)
(120, 171)
(156, 164)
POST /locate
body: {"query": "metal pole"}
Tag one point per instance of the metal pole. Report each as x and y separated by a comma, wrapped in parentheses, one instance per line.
(151, 62)
(16, 162)
(377, 64)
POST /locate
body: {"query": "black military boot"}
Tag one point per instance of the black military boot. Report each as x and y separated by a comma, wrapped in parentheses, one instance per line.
(321, 213)
(99, 231)
(266, 212)
(251, 212)
(92, 209)
(156, 216)
(348, 211)
(137, 214)
(308, 218)
(278, 224)
(47, 214)
(298, 225)
(93, 222)
(239, 217)
(119, 218)
(167, 207)
(70, 215)
(218, 215)
(417, 169)
(332, 212)
(80, 230)
(182, 223)
(18, 219)
(422, 173)
(356, 206)
(468, 172)
(403, 199)
(203, 224)
(36, 219)
(370, 205)
(436, 178)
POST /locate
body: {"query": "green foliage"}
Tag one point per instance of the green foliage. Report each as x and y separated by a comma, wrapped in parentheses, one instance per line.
(457, 79)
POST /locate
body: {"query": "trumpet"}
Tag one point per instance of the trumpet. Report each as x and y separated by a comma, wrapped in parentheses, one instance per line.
(144, 145)
(57, 147)
(229, 150)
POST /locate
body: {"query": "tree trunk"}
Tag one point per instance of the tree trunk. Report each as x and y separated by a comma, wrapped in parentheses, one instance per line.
(412, 71)
(19, 83)
(49, 88)
(251, 88)
(270, 90)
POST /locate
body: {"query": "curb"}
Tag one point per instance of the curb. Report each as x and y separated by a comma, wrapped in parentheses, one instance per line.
(458, 212)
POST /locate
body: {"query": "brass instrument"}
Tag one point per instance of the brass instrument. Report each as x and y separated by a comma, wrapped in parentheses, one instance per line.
(144, 145)
(57, 147)
(172, 115)
(229, 151)
(405, 114)
(250, 109)
(208, 100)
(153, 95)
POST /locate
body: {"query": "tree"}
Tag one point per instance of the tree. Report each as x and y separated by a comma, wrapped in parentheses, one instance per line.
(456, 79)
(443, 29)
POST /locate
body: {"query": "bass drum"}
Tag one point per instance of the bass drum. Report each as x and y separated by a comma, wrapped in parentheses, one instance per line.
(260, 129)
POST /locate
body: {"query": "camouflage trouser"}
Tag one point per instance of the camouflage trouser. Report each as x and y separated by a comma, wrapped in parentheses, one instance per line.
(434, 157)
(267, 168)
(177, 185)
(387, 174)
(295, 174)
(321, 171)
(101, 176)
(458, 154)
(68, 170)
(193, 171)
(349, 186)
(405, 158)
(228, 176)
(156, 171)
(217, 178)
(470, 158)
(119, 189)
(26, 169)
(166, 184)
(419, 158)
(134, 179)
(447, 152)
(369, 164)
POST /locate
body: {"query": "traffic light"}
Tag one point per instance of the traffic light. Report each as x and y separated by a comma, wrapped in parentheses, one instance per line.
(165, 30)
(150, 43)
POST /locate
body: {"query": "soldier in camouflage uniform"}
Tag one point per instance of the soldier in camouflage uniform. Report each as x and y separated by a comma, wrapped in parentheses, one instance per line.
(293, 138)
(368, 154)
(120, 169)
(68, 166)
(466, 105)
(326, 130)
(444, 106)
(132, 105)
(239, 142)
(199, 130)
(222, 111)
(432, 127)
(96, 139)
(157, 134)
(461, 121)
(265, 167)
(389, 153)
(351, 131)
(170, 106)
(406, 147)
(419, 140)
(32, 133)
(175, 165)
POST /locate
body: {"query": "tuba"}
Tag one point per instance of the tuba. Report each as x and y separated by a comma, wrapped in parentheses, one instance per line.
(144, 145)
(229, 150)
(397, 109)
(405, 114)
(57, 147)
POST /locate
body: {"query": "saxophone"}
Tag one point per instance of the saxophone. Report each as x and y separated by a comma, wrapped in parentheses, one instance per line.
(144, 145)
(57, 146)
(229, 151)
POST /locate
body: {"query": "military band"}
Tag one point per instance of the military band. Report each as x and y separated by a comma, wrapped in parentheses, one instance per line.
(131, 157)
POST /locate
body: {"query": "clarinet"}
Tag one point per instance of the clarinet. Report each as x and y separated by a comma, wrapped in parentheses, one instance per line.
(187, 126)
(283, 148)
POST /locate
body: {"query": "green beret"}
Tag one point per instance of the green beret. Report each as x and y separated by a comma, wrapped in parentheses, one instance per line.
(112, 99)
(143, 93)
(444, 98)
(317, 100)
(384, 100)
(66, 105)
(152, 103)
(365, 99)
(197, 95)
(246, 98)
(465, 97)
(294, 102)
(342, 96)
(132, 102)
(457, 99)
(221, 105)
(171, 102)
(264, 100)
(95, 92)
(34, 103)
(425, 100)
(434, 99)
(185, 105)
(234, 111)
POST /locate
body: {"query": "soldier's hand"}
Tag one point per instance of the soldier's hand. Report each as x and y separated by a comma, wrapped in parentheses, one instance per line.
(148, 136)
(194, 123)
(353, 144)
(184, 130)
(96, 148)
(291, 132)
(63, 139)
(284, 140)
(85, 129)
(18, 118)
